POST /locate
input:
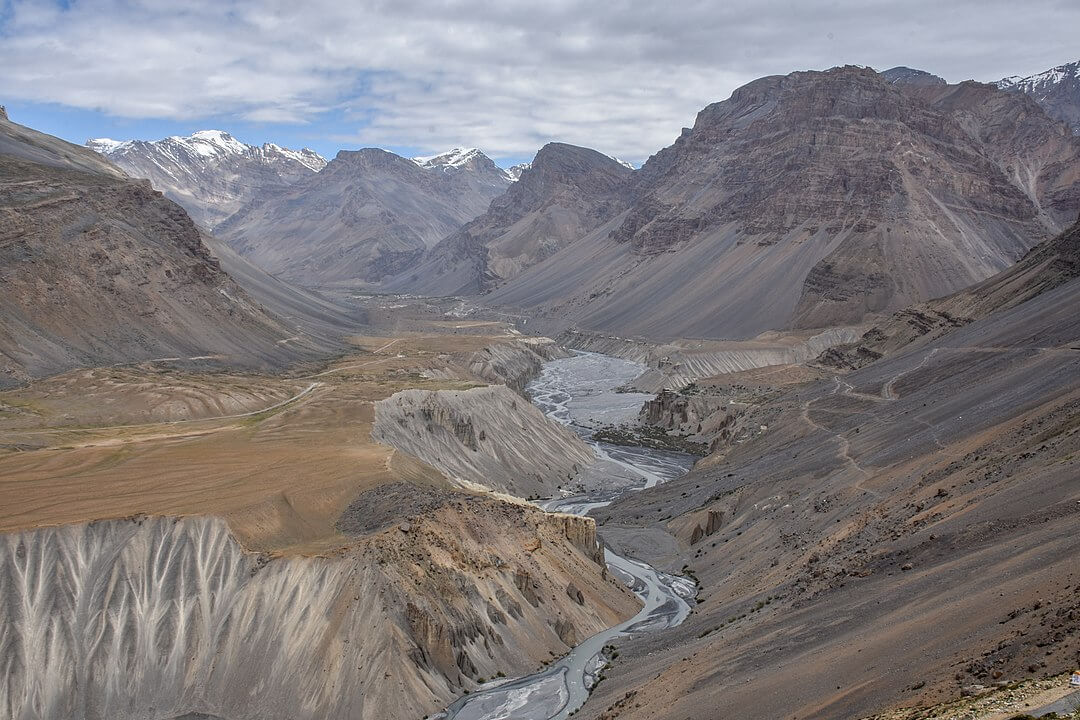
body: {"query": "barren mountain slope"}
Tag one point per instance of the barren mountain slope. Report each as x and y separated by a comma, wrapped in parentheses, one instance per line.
(210, 173)
(566, 192)
(812, 200)
(98, 269)
(889, 538)
(1045, 266)
(368, 214)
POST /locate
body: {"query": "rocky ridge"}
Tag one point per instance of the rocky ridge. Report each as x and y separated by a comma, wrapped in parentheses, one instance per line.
(488, 437)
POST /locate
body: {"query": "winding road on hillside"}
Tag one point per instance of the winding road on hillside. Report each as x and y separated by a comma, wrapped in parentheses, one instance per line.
(578, 392)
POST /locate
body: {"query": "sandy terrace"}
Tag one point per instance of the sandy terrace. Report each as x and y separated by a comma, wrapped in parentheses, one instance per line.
(278, 456)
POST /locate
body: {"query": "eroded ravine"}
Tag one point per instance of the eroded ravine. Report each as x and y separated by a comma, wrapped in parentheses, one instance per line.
(579, 392)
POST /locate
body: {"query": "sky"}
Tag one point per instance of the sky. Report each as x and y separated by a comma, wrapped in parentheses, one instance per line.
(416, 77)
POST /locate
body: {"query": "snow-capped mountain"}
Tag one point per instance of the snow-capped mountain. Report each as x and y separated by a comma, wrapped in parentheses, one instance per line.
(470, 159)
(453, 158)
(1057, 90)
(210, 173)
(514, 171)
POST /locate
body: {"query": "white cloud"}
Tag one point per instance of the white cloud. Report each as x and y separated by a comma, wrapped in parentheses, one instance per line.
(622, 76)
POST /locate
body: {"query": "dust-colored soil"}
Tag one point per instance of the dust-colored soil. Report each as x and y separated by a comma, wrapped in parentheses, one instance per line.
(887, 539)
(114, 442)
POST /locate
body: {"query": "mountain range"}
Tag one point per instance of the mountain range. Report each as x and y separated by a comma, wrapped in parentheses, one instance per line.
(814, 199)
(778, 209)
(209, 173)
(98, 269)
(368, 214)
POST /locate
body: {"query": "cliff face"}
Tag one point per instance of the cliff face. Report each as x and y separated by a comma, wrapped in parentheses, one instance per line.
(512, 364)
(158, 617)
(487, 436)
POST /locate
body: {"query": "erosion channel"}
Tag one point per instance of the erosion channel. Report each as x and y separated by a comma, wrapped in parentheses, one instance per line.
(579, 392)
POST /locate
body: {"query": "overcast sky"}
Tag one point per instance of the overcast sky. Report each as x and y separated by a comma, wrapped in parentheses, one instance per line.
(419, 77)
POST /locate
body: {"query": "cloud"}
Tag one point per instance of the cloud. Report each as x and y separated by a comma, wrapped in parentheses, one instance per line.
(622, 76)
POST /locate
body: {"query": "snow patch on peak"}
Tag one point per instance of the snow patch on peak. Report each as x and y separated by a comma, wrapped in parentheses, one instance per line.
(306, 156)
(456, 158)
(623, 162)
(105, 146)
(1043, 80)
(207, 146)
(515, 171)
(209, 143)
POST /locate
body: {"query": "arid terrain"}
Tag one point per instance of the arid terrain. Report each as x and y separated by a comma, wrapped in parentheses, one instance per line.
(891, 536)
(781, 420)
(290, 466)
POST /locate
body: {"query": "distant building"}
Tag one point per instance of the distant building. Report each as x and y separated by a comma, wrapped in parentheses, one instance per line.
(1075, 679)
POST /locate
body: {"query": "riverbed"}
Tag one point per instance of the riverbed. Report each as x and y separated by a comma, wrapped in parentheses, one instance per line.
(580, 392)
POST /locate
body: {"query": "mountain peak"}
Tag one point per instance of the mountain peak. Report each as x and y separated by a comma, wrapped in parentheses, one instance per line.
(209, 143)
(901, 75)
(1032, 83)
(455, 157)
(515, 171)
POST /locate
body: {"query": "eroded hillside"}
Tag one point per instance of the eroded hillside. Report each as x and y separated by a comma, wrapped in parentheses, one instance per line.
(221, 544)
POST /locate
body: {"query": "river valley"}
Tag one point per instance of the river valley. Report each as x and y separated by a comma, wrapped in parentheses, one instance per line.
(580, 392)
